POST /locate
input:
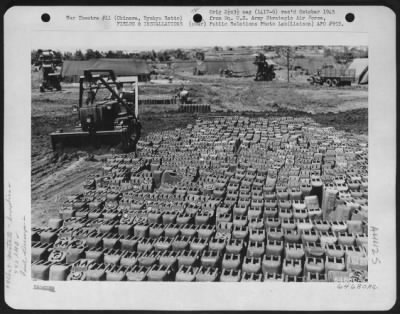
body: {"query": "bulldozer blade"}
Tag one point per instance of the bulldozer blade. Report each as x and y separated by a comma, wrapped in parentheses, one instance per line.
(85, 140)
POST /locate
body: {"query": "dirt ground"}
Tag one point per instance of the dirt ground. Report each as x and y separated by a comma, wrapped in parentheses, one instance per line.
(56, 175)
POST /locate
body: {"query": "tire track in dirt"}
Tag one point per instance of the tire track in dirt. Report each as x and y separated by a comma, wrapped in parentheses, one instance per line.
(49, 193)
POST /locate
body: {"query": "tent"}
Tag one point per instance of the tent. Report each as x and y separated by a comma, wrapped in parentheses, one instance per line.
(217, 66)
(200, 68)
(243, 68)
(183, 66)
(72, 70)
(312, 64)
(210, 67)
(238, 67)
(364, 77)
(360, 66)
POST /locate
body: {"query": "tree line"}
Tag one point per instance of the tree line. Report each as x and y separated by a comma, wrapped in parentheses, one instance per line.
(162, 55)
(179, 54)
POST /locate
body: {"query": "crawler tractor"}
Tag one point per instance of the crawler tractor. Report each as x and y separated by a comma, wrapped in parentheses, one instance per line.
(48, 62)
(265, 72)
(108, 114)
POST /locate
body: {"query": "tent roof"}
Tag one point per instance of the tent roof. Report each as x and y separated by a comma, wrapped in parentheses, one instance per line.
(201, 66)
(243, 68)
(312, 64)
(364, 78)
(75, 68)
(183, 66)
(211, 66)
(121, 67)
(359, 65)
(240, 68)
(214, 67)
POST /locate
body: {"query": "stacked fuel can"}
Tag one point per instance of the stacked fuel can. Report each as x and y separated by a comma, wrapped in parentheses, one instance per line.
(226, 199)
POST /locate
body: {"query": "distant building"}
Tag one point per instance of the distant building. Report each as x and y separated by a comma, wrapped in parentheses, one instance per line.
(312, 64)
(234, 67)
(360, 65)
(72, 70)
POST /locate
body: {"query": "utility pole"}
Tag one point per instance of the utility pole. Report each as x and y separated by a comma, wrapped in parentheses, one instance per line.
(288, 62)
(285, 52)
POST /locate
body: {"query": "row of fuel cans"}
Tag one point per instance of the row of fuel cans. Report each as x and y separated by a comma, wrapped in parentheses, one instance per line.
(224, 199)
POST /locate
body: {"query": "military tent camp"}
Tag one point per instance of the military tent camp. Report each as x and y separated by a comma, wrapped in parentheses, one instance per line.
(360, 66)
(72, 70)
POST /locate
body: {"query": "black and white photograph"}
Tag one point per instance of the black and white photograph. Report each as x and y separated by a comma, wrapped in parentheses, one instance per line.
(246, 163)
(200, 158)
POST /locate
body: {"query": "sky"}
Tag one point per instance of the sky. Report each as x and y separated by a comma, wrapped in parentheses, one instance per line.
(131, 41)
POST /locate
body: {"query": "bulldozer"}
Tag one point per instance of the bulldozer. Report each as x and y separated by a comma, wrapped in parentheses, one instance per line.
(48, 62)
(265, 72)
(51, 79)
(108, 114)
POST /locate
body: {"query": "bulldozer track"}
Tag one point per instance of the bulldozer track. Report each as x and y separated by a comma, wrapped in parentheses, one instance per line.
(63, 179)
